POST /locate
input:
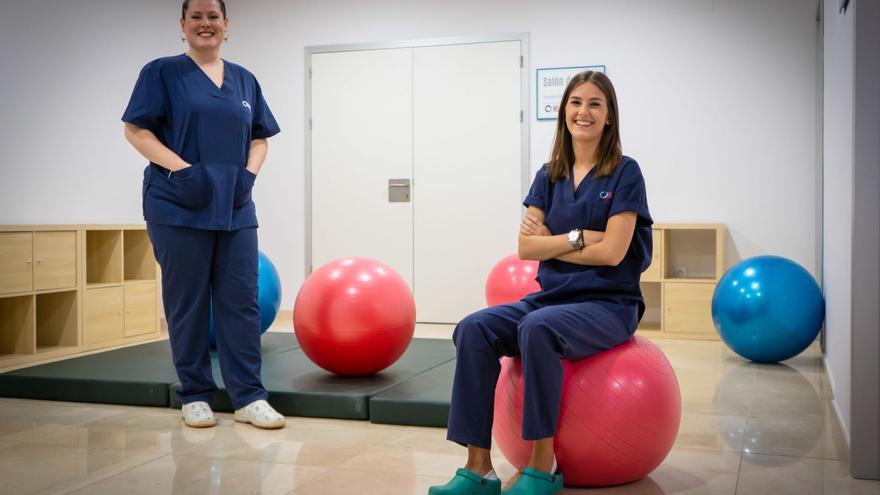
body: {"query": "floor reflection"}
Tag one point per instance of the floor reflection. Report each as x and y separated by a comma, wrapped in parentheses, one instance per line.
(785, 412)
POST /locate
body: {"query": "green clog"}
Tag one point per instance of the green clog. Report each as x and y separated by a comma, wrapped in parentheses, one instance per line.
(467, 483)
(534, 482)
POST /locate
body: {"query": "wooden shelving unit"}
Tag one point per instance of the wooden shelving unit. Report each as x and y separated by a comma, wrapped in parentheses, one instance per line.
(70, 289)
(687, 262)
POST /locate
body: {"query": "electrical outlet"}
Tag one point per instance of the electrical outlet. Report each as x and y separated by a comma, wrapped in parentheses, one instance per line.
(681, 272)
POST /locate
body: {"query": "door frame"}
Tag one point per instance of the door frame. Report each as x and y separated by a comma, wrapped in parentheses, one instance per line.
(523, 38)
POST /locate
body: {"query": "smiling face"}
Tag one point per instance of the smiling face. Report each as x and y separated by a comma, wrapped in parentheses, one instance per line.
(586, 113)
(204, 24)
(589, 124)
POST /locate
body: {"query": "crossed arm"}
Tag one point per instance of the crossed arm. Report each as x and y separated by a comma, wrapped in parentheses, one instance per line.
(536, 242)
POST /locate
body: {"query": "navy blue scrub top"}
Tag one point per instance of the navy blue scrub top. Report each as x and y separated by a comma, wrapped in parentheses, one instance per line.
(207, 126)
(614, 287)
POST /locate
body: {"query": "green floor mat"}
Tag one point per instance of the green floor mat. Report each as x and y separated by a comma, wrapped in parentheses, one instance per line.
(299, 388)
(423, 400)
(139, 375)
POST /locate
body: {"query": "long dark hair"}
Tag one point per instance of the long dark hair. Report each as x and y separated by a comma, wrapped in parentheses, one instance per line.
(609, 151)
(186, 6)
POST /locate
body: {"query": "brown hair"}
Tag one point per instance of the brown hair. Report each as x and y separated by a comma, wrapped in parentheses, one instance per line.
(186, 6)
(609, 151)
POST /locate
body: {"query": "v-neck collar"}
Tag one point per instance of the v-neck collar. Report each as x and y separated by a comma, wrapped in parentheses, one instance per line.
(223, 85)
(571, 191)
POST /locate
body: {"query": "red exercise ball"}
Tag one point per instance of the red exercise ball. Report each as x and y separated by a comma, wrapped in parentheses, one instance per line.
(510, 280)
(620, 414)
(354, 316)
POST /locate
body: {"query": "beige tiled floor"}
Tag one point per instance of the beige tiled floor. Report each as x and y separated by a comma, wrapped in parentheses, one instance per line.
(746, 429)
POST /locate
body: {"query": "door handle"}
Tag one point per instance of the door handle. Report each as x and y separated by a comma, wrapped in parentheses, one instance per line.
(398, 190)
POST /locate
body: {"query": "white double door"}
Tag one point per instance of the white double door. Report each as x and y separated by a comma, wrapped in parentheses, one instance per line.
(446, 118)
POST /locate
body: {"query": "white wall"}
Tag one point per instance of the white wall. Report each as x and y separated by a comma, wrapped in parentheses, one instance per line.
(838, 203)
(717, 100)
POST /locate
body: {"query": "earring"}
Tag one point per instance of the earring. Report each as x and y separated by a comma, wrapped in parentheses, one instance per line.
(226, 36)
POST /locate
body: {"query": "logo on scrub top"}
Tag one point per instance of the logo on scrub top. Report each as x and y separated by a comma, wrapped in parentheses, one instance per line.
(245, 104)
(605, 195)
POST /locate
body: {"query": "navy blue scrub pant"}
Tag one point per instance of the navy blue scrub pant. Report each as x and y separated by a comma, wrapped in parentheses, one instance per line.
(199, 266)
(542, 336)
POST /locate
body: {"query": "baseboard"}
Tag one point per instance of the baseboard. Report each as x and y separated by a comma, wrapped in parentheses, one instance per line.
(835, 405)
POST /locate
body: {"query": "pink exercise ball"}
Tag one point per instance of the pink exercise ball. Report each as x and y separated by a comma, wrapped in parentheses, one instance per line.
(510, 280)
(354, 316)
(619, 417)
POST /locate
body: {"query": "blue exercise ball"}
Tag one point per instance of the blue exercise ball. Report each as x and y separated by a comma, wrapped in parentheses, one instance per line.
(767, 309)
(268, 297)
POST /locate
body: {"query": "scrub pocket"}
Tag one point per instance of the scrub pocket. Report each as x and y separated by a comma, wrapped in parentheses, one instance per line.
(189, 187)
(192, 187)
(244, 187)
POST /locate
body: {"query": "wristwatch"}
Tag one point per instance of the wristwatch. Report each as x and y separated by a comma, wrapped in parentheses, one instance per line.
(576, 239)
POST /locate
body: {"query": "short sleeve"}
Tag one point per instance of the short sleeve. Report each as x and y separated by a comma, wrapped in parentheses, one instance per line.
(630, 194)
(147, 106)
(263, 124)
(537, 195)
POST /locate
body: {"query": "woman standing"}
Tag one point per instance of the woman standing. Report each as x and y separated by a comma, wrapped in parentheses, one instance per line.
(202, 123)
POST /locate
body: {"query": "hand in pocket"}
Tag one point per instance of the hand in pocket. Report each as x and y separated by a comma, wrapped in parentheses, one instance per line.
(243, 188)
(191, 187)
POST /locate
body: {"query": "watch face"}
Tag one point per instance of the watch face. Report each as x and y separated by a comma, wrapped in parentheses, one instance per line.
(573, 236)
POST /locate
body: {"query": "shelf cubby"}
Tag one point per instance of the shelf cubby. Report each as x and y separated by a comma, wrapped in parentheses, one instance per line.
(17, 325)
(652, 320)
(691, 253)
(69, 289)
(103, 256)
(654, 273)
(57, 317)
(138, 257)
(687, 261)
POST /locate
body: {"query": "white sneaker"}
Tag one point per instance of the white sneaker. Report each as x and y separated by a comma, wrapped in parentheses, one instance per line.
(198, 415)
(260, 414)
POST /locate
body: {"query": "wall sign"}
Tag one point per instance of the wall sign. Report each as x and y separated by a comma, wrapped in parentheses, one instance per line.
(550, 85)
